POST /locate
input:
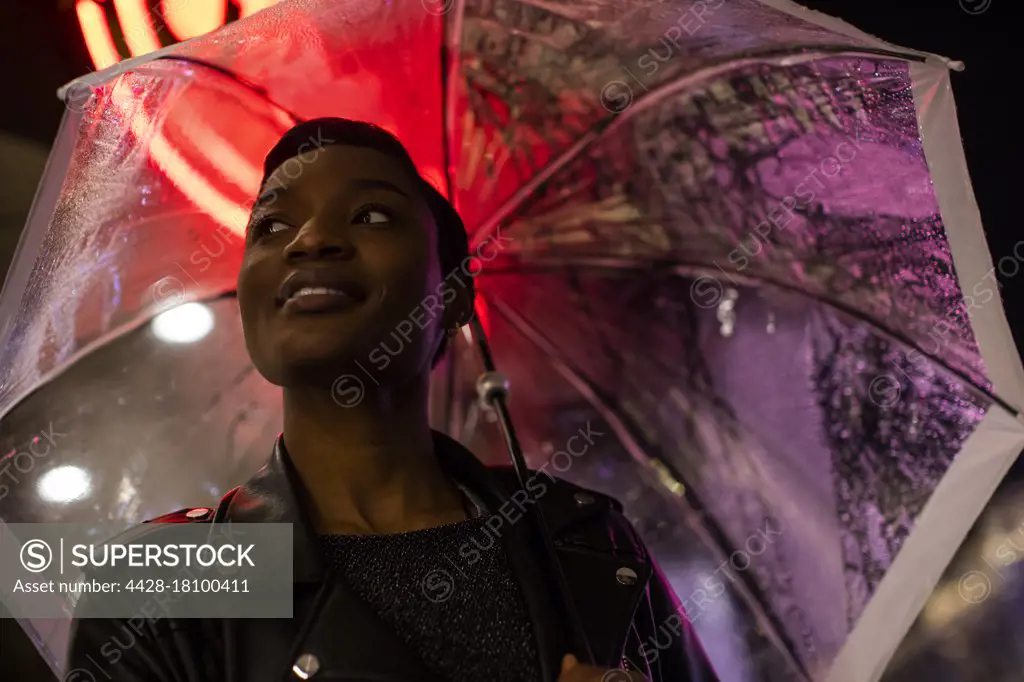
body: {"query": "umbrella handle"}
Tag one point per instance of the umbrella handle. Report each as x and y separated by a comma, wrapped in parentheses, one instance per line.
(493, 388)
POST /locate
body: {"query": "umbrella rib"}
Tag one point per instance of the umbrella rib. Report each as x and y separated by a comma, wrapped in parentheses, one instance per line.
(607, 125)
(702, 525)
(228, 73)
(683, 269)
(96, 344)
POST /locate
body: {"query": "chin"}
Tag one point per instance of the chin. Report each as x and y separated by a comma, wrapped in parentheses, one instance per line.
(340, 371)
(312, 361)
(313, 373)
(320, 357)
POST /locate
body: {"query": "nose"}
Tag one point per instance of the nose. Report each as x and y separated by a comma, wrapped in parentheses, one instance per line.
(314, 241)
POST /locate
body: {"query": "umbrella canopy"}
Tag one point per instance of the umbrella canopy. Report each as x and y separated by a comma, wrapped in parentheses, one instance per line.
(730, 247)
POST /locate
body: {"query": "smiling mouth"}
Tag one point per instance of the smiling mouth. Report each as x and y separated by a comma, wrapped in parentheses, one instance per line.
(321, 299)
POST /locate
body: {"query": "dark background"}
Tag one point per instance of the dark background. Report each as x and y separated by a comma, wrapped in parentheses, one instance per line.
(41, 49)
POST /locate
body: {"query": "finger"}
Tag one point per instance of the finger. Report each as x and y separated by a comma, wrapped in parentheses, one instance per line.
(569, 662)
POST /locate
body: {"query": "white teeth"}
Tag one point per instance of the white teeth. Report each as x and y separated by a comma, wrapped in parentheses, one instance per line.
(312, 291)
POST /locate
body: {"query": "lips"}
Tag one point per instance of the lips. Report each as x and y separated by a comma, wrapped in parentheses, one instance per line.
(319, 289)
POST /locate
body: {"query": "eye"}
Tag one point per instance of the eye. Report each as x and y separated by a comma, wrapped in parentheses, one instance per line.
(269, 225)
(372, 215)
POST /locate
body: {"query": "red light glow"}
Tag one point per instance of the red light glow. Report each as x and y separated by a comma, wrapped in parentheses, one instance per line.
(101, 46)
(189, 19)
(136, 26)
(185, 20)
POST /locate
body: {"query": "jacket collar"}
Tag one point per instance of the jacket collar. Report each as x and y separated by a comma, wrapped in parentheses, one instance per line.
(273, 495)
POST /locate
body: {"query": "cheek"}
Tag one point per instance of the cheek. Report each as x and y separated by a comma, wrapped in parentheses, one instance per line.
(407, 274)
(245, 294)
(407, 299)
(254, 292)
(411, 311)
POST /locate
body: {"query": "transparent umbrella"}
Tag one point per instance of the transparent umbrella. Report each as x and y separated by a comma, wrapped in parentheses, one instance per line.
(731, 247)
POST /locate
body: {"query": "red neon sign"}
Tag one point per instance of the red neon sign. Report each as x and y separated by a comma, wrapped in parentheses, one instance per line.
(140, 23)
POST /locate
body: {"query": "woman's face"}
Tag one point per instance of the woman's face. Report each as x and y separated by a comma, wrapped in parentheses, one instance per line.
(341, 273)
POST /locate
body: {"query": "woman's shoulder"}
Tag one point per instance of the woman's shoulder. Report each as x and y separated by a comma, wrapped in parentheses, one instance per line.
(159, 526)
(155, 526)
(188, 514)
(185, 515)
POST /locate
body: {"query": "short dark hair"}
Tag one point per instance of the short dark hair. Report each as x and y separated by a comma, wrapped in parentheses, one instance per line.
(452, 240)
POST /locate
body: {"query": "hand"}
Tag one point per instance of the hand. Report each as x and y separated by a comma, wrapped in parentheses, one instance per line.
(574, 671)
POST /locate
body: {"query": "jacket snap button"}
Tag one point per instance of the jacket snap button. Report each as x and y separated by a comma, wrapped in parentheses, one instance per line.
(197, 513)
(626, 576)
(306, 666)
(583, 499)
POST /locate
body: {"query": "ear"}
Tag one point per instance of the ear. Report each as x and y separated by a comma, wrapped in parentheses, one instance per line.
(461, 309)
(466, 315)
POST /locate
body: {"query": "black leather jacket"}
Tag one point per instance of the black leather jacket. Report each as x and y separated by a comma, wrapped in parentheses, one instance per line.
(334, 636)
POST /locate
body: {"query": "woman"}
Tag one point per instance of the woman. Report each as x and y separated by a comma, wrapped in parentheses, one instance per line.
(347, 244)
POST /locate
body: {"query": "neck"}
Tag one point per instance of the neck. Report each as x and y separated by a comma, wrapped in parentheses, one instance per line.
(369, 468)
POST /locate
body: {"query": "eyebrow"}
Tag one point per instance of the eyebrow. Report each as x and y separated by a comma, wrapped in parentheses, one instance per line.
(269, 196)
